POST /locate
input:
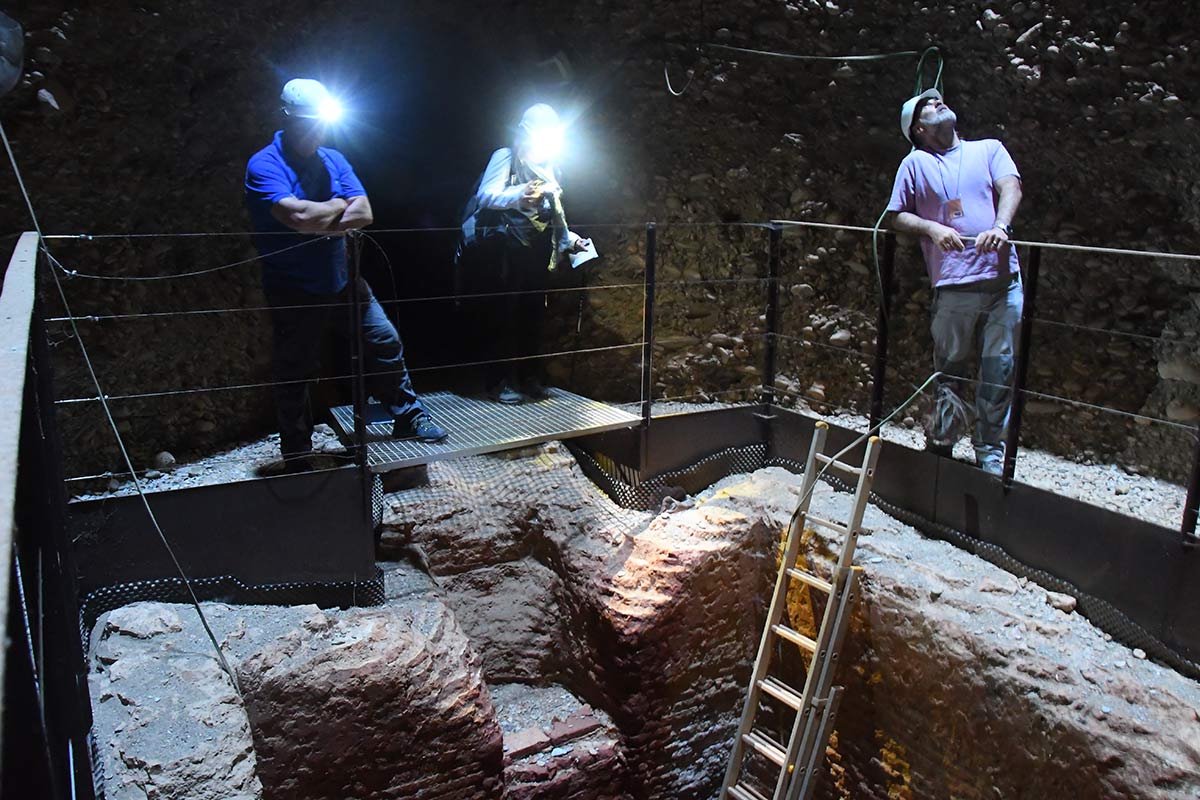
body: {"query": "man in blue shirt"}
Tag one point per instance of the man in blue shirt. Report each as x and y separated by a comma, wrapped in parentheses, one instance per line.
(302, 197)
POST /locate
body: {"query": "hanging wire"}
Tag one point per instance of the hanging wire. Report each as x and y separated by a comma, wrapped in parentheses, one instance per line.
(691, 73)
(116, 432)
(809, 57)
(70, 273)
(937, 78)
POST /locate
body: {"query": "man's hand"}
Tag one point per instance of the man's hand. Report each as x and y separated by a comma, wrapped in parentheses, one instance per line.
(357, 214)
(531, 197)
(580, 245)
(990, 240)
(945, 237)
(307, 216)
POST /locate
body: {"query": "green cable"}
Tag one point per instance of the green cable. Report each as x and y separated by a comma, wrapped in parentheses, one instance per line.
(918, 88)
(937, 79)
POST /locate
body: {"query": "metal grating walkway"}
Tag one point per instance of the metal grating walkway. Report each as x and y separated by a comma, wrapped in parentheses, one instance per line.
(481, 426)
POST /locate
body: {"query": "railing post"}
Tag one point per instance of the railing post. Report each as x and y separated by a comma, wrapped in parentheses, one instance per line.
(887, 266)
(774, 248)
(1193, 498)
(357, 357)
(648, 335)
(1021, 366)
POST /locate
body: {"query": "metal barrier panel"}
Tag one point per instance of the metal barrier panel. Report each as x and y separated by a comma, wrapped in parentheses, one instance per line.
(305, 528)
(1137, 581)
(47, 712)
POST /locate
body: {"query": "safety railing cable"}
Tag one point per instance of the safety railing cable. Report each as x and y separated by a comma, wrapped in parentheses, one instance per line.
(116, 431)
(880, 356)
(349, 376)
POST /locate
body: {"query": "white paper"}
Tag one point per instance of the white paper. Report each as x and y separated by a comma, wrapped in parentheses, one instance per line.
(585, 255)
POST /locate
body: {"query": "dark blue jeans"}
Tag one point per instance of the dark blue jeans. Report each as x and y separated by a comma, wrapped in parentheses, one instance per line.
(299, 332)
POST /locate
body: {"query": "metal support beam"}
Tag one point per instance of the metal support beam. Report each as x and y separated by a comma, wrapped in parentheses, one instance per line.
(879, 370)
(1193, 498)
(1021, 366)
(648, 286)
(357, 368)
(774, 249)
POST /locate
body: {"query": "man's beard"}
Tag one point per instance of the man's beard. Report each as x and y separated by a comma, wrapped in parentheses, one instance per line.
(943, 116)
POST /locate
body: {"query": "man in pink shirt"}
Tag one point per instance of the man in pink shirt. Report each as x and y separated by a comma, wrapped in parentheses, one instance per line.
(960, 197)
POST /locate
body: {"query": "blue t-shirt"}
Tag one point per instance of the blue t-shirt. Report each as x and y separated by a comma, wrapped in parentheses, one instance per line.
(274, 174)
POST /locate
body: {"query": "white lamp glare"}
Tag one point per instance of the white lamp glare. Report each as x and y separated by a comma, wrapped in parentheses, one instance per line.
(546, 143)
(330, 110)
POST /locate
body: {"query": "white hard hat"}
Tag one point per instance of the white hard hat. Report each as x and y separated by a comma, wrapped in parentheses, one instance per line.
(909, 109)
(537, 117)
(308, 99)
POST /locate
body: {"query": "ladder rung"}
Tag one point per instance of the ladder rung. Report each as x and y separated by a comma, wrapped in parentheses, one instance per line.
(781, 692)
(836, 526)
(766, 747)
(811, 580)
(824, 459)
(739, 792)
(795, 637)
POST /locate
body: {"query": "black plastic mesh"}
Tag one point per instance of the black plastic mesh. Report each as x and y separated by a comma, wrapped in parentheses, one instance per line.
(228, 589)
(624, 486)
(627, 489)
(377, 499)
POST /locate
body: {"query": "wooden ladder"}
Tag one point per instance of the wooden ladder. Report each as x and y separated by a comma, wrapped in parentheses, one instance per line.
(816, 705)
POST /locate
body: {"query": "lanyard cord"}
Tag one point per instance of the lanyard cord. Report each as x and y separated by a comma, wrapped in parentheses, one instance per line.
(942, 173)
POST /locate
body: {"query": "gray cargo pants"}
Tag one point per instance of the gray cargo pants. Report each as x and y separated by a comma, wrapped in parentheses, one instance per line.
(975, 320)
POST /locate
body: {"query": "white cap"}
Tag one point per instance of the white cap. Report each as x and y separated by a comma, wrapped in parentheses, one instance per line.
(910, 108)
(309, 99)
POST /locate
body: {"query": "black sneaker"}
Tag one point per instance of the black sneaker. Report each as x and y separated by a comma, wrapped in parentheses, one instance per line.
(939, 449)
(506, 394)
(534, 390)
(423, 428)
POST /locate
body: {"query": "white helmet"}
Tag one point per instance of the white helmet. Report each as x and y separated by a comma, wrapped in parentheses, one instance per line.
(909, 109)
(305, 98)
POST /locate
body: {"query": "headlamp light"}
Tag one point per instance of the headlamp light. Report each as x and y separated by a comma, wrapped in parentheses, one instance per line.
(330, 111)
(546, 143)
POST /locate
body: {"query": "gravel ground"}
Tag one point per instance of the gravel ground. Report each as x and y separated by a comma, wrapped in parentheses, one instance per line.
(1104, 485)
(520, 706)
(246, 461)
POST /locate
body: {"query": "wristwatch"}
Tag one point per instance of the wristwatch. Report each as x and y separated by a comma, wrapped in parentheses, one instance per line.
(1008, 231)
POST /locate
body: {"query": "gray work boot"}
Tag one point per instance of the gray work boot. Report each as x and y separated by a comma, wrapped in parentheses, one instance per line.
(990, 458)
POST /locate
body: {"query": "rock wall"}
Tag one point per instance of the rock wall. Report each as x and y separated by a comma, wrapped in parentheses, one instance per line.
(963, 681)
(368, 703)
(1093, 99)
(166, 719)
(622, 679)
(651, 619)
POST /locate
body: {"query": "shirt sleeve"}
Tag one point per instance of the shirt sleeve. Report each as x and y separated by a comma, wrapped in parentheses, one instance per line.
(266, 183)
(1000, 163)
(346, 183)
(494, 191)
(904, 189)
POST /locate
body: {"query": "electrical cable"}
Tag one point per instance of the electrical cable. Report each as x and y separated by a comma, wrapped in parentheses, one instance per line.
(937, 84)
(807, 57)
(116, 432)
(862, 438)
(670, 88)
